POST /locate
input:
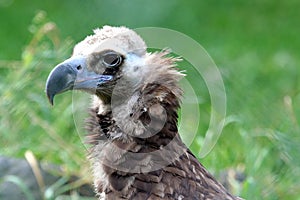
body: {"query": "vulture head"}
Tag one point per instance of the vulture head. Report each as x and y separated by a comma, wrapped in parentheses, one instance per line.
(112, 56)
(136, 151)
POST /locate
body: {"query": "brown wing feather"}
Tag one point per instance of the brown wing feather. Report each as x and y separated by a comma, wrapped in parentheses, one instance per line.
(183, 178)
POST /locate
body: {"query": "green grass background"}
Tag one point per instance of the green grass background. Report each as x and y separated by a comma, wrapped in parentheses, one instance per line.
(255, 44)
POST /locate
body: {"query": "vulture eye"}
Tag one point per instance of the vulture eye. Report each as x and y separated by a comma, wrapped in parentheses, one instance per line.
(112, 59)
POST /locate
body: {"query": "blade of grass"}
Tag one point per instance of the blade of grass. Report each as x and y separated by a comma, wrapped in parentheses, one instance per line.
(35, 169)
(20, 183)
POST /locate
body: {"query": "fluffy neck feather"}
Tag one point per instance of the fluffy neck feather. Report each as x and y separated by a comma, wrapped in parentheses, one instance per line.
(146, 90)
(142, 120)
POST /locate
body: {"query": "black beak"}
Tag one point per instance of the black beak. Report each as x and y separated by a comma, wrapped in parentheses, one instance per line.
(73, 74)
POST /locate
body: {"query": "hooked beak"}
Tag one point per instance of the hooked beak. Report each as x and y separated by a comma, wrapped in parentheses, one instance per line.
(73, 74)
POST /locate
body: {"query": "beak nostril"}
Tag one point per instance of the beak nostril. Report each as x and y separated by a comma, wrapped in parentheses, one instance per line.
(79, 67)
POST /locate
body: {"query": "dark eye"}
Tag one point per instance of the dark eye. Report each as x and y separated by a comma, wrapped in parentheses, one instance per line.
(112, 59)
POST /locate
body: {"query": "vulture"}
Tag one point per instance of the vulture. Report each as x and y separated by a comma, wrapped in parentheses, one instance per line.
(135, 149)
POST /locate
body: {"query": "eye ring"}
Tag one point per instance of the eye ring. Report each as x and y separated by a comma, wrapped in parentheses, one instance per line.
(112, 59)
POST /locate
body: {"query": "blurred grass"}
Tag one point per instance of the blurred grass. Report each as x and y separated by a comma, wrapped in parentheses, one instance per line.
(255, 45)
(27, 120)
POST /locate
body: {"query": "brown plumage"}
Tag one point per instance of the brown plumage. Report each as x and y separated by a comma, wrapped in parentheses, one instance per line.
(135, 149)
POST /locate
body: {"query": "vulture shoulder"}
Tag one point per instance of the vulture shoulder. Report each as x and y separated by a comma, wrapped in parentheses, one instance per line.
(143, 170)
